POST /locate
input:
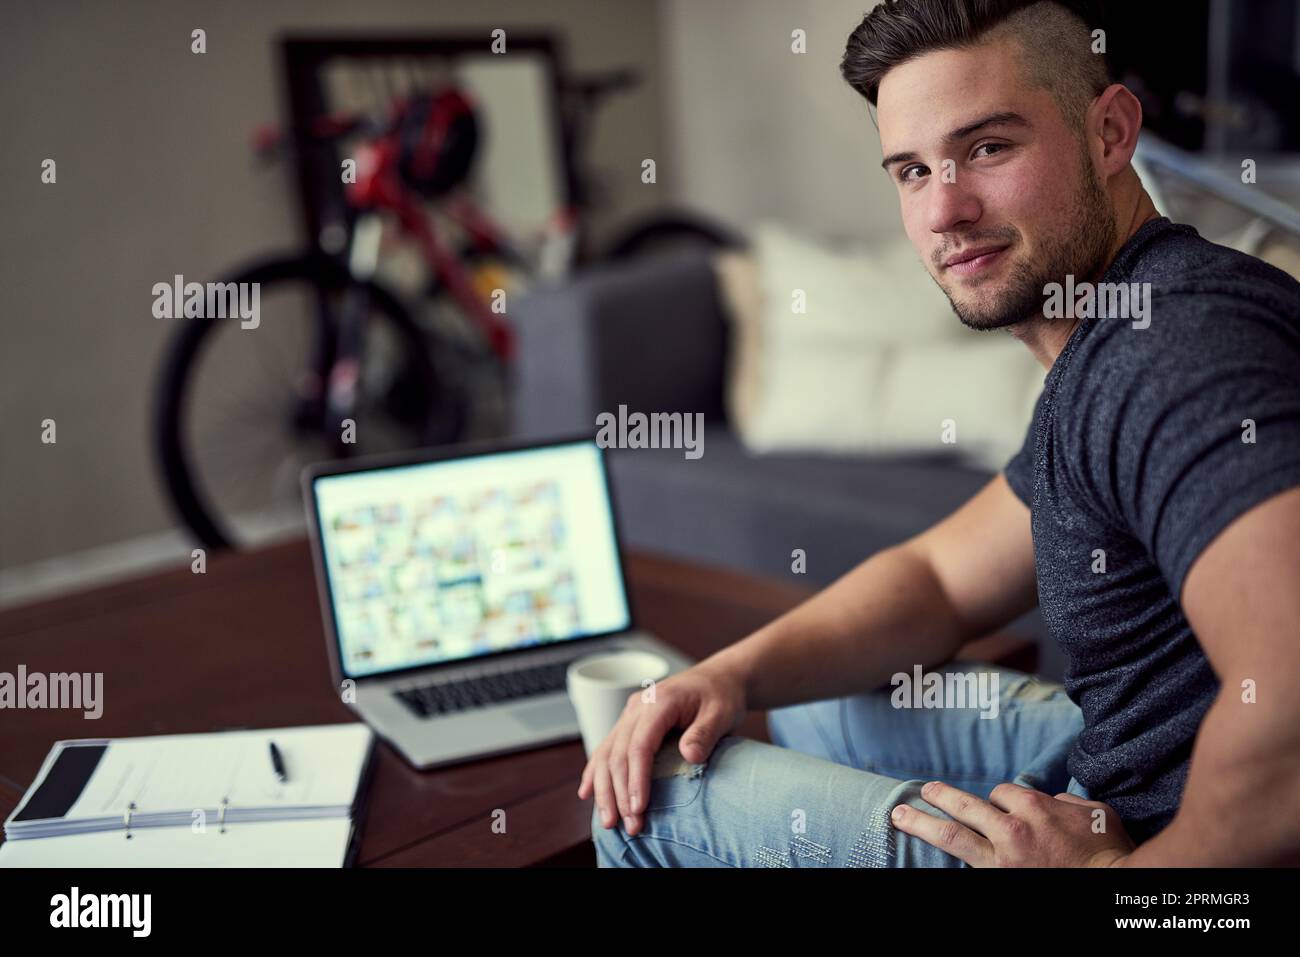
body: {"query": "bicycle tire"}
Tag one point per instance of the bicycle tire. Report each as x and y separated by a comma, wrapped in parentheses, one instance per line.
(446, 416)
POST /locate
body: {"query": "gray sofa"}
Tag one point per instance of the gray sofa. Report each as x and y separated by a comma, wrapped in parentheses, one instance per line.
(652, 335)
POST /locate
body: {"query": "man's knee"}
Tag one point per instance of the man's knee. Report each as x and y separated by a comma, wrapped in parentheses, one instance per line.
(610, 842)
(673, 783)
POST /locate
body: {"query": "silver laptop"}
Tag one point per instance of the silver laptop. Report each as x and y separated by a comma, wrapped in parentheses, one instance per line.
(458, 584)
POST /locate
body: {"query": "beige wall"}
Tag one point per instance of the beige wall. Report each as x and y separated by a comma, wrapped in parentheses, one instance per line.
(761, 132)
(155, 178)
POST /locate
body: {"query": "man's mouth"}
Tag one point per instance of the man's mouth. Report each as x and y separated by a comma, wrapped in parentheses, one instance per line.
(972, 262)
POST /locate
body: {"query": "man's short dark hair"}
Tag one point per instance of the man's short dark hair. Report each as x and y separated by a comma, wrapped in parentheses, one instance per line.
(1055, 38)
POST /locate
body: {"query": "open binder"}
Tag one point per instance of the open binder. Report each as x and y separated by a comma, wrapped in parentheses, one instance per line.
(206, 800)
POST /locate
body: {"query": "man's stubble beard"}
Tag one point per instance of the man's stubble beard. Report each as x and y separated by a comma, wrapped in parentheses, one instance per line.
(1082, 252)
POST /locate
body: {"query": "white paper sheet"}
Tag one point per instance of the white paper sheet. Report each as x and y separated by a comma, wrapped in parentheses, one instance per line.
(182, 772)
(320, 843)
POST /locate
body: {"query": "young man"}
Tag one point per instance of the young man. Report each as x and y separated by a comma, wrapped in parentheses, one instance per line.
(1153, 513)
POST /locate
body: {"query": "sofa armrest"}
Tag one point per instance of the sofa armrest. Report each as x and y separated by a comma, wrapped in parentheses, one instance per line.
(649, 334)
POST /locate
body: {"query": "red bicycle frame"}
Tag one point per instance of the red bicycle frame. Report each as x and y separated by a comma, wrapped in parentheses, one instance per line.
(379, 188)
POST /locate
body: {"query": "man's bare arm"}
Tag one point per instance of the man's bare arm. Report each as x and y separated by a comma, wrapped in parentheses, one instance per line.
(1241, 801)
(914, 603)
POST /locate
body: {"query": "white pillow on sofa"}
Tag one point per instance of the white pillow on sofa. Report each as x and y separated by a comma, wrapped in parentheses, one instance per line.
(980, 393)
(876, 363)
(868, 293)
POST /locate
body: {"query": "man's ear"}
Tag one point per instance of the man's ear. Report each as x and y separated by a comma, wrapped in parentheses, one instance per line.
(1115, 119)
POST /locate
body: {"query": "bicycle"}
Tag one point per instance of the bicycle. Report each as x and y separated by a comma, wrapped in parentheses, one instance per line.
(363, 375)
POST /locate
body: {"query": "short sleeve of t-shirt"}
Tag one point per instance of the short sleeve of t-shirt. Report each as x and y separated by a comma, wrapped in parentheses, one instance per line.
(1019, 471)
(1173, 431)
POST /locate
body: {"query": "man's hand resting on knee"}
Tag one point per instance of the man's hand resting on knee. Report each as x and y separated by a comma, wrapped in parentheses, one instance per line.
(707, 700)
(1018, 827)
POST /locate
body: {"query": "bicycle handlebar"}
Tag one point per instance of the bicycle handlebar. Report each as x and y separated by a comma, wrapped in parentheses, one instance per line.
(597, 85)
(269, 141)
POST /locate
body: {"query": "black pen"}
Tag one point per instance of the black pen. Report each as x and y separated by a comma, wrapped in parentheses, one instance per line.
(277, 762)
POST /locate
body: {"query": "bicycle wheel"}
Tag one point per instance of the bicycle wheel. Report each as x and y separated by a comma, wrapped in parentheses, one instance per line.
(240, 408)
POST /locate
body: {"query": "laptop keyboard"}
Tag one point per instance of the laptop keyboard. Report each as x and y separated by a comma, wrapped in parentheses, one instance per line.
(432, 700)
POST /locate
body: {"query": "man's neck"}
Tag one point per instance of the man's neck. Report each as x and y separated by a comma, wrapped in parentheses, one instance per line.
(1044, 337)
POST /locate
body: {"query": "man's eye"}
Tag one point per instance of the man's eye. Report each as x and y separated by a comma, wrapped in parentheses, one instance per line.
(996, 147)
(903, 174)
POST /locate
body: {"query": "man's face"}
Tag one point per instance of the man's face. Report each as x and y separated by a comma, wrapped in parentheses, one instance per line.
(1019, 205)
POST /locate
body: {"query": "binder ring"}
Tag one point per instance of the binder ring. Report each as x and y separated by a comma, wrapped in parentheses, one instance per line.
(221, 816)
(126, 819)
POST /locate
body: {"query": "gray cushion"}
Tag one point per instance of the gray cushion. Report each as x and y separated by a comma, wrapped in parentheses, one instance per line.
(733, 508)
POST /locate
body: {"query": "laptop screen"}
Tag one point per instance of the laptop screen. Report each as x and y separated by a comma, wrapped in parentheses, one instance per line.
(442, 561)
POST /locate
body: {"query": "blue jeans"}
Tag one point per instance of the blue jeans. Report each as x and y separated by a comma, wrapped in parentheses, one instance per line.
(822, 794)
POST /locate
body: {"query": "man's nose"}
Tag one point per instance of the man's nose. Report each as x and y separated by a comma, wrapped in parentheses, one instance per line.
(951, 205)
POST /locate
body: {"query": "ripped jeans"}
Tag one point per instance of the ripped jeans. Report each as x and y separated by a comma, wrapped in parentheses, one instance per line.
(822, 794)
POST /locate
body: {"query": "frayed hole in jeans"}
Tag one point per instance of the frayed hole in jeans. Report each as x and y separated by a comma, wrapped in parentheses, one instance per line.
(767, 857)
(802, 847)
(874, 846)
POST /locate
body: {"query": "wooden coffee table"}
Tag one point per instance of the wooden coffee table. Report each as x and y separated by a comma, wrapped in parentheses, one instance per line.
(243, 646)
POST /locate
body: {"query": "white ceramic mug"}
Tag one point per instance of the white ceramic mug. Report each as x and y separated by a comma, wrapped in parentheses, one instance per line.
(599, 685)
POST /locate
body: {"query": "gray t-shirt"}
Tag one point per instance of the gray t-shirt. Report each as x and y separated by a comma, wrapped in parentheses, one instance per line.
(1138, 455)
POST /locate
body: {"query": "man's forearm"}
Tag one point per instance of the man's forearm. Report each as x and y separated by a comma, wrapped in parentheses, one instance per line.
(886, 615)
